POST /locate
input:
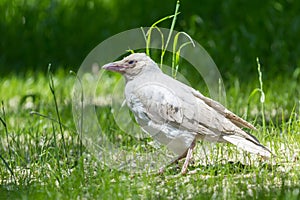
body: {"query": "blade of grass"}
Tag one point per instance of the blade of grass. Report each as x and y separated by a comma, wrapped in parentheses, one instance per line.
(172, 27)
(8, 167)
(81, 116)
(47, 117)
(176, 54)
(262, 97)
(56, 152)
(148, 36)
(52, 89)
(3, 121)
(154, 26)
(249, 100)
(149, 32)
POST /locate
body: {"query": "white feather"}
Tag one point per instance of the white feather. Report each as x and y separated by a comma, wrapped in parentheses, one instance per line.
(247, 145)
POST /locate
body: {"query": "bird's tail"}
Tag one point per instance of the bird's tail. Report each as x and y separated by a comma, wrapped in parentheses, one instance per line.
(249, 145)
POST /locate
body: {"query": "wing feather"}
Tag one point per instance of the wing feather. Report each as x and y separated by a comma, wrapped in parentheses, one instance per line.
(158, 102)
(224, 111)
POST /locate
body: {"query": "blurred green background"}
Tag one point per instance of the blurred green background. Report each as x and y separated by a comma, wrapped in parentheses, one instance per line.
(234, 32)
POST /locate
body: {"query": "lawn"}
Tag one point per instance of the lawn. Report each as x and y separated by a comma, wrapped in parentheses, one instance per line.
(44, 156)
(41, 159)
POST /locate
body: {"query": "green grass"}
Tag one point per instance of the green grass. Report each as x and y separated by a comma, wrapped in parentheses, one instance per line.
(38, 165)
(41, 154)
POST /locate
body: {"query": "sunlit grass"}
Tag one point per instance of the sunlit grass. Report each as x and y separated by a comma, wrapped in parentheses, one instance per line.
(33, 149)
(42, 156)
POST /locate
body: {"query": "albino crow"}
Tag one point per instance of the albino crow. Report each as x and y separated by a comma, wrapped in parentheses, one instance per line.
(177, 115)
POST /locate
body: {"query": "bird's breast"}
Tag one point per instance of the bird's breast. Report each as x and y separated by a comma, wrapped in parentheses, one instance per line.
(158, 112)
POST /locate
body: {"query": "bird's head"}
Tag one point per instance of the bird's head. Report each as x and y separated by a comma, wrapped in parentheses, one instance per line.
(132, 65)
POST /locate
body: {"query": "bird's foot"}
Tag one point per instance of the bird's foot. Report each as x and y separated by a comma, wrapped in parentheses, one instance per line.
(187, 159)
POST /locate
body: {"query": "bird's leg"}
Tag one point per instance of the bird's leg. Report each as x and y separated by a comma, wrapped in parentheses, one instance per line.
(161, 170)
(188, 157)
(179, 157)
(187, 154)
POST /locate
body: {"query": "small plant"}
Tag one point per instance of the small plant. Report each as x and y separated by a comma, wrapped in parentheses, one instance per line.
(175, 50)
(262, 96)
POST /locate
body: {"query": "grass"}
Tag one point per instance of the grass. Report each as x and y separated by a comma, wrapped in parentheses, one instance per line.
(42, 155)
(41, 159)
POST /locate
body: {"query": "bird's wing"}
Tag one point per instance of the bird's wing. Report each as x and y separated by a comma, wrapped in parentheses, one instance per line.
(224, 111)
(157, 102)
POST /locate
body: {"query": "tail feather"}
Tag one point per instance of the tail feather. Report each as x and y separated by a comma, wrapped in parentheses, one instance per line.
(248, 145)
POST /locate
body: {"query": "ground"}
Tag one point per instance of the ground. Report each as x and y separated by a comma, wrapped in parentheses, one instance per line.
(41, 159)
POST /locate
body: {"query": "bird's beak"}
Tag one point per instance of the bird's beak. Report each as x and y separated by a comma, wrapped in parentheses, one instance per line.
(115, 67)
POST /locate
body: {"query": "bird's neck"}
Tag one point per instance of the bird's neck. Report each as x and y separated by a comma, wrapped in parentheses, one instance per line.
(143, 75)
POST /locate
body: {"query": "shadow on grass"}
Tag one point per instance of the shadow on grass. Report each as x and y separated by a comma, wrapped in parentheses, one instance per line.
(223, 168)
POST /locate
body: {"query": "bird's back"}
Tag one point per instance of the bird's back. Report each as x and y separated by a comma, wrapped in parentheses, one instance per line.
(175, 114)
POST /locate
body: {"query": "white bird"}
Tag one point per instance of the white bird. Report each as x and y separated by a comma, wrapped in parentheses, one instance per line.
(177, 115)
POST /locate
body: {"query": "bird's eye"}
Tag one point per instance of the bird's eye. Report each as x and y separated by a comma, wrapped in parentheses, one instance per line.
(130, 62)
